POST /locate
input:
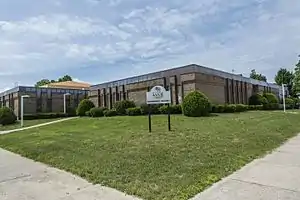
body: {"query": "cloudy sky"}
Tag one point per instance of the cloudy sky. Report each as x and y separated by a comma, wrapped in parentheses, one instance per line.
(102, 40)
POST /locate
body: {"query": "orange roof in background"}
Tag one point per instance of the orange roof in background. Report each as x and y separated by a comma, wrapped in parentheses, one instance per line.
(68, 84)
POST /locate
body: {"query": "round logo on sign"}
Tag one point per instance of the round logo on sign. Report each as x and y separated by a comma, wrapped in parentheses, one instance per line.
(157, 93)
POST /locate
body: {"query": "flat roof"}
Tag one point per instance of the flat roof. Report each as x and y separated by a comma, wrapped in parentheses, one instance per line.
(187, 69)
(33, 89)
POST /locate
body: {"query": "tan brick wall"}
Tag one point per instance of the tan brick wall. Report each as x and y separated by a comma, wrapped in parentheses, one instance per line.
(187, 77)
(139, 97)
(94, 99)
(188, 87)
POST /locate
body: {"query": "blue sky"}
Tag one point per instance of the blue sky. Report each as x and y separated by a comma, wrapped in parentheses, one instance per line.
(102, 40)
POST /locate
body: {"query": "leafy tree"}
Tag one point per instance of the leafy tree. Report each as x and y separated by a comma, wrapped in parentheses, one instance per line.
(47, 81)
(284, 76)
(42, 82)
(65, 78)
(296, 80)
(257, 76)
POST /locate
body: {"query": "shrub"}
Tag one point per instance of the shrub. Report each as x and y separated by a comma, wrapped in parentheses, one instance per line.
(7, 116)
(289, 103)
(271, 98)
(271, 106)
(44, 116)
(176, 109)
(121, 106)
(110, 113)
(164, 109)
(220, 108)
(144, 109)
(84, 106)
(241, 108)
(230, 108)
(134, 111)
(257, 99)
(255, 107)
(97, 112)
(196, 104)
(88, 113)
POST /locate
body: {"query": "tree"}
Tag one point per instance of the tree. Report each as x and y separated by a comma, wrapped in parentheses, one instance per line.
(42, 82)
(47, 81)
(284, 76)
(65, 78)
(296, 80)
(257, 76)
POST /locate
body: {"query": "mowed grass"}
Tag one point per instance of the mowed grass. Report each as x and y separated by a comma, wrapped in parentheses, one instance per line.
(119, 152)
(26, 124)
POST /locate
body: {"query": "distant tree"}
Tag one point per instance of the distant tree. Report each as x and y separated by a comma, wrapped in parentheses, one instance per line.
(42, 82)
(257, 76)
(284, 76)
(296, 80)
(47, 81)
(65, 78)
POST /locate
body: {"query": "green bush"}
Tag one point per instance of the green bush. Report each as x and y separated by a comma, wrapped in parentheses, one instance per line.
(289, 103)
(121, 106)
(176, 109)
(257, 99)
(196, 104)
(230, 108)
(136, 111)
(241, 108)
(88, 113)
(45, 116)
(220, 108)
(7, 116)
(144, 109)
(271, 106)
(110, 113)
(97, 112)
(84, 106)
(271, 98)
(255, 107)
(164, 109)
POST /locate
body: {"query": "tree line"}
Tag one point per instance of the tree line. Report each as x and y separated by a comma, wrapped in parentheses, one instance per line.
(290, 78)
(47, 81)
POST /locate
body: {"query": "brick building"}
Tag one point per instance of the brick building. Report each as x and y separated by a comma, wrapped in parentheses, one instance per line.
(43, 99)
(220, 87)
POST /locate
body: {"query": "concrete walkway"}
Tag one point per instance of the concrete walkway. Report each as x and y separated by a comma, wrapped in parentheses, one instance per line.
(35, 126)
(274, 177)
(24, 179)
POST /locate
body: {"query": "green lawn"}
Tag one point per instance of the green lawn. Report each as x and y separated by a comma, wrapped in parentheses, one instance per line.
(120, 153)
(26, 124)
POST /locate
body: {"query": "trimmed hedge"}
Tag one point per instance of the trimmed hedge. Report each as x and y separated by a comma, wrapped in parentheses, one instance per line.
(110, 113)
(255, 107)
(134, 111)
(84, 106)
(196, 104)
(271, 106)
(7, 116)
(257, 99)
(230, 108)
(121, 106)
(97, 112)
(45, 116)
(241, 108)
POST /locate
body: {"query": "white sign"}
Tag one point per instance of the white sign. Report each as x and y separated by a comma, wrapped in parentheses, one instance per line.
(158, 95)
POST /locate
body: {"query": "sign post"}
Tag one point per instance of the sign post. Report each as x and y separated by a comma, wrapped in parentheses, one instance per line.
(158, 95)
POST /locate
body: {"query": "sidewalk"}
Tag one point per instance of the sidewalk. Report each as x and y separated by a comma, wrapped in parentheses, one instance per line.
(35, 126)
(24, 179)
(274, 177)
